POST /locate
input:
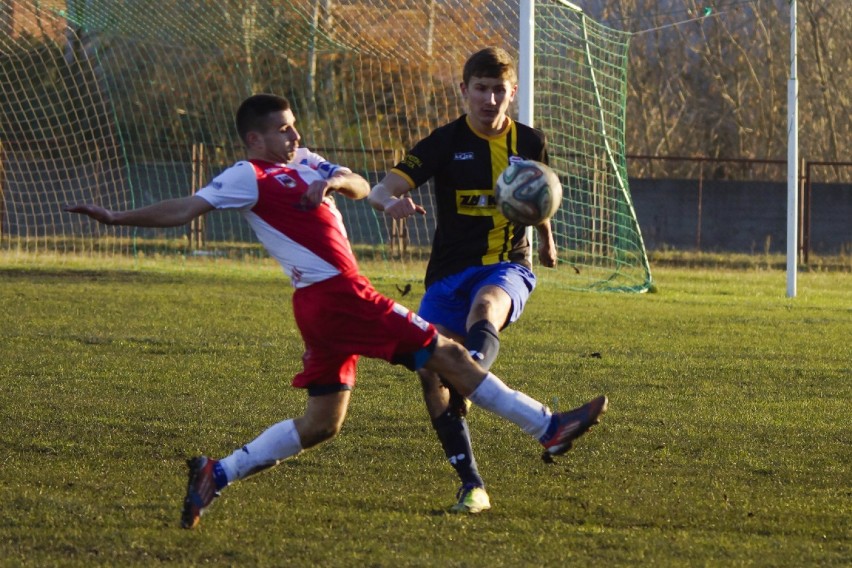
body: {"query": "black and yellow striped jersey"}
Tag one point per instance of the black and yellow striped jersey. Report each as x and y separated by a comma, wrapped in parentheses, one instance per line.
(465, 167)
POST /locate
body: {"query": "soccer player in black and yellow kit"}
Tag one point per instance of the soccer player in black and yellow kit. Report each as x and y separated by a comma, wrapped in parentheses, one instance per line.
(479, 274)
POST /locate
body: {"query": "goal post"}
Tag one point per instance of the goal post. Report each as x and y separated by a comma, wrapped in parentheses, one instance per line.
(117, 102)
(580, 90)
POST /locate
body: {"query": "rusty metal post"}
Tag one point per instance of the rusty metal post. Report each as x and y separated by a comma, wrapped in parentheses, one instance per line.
(2, 191)
(199, 169)
(805, 194)
(700, 205)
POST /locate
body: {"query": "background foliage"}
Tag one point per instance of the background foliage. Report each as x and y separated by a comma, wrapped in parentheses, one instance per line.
(710, 78)
(705, 78)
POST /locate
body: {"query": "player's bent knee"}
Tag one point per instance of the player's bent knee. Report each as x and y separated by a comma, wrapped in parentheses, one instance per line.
(455, 364)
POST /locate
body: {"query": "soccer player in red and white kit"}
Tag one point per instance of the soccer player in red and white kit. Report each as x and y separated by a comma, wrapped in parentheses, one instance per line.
(285, 193)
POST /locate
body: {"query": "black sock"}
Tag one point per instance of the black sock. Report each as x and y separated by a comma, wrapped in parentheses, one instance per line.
(455, 438)
(484, 339)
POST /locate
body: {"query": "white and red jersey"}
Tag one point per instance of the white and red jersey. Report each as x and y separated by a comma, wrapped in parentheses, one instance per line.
(310, 243)
(339, 313)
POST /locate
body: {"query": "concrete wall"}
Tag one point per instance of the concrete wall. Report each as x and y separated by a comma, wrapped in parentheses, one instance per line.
(737, 216)
(748, 217)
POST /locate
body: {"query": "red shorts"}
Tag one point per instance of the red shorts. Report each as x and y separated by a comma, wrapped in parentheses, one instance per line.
(344, 317)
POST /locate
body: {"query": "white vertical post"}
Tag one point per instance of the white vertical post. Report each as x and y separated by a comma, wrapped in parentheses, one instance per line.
(526, 74)
(526, 60)
(792, 161)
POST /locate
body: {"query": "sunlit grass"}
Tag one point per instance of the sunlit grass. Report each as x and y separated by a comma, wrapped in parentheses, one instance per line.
(727, 442)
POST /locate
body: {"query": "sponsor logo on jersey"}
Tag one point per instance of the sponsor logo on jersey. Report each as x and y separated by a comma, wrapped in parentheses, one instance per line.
(412, 162)
(286, 181)
(476, 202)
(463, 156)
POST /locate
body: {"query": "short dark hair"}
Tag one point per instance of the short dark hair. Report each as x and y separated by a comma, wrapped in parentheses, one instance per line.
(492, 63)
(252, 114)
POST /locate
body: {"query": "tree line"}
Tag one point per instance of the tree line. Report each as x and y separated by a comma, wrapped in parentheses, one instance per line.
(704, 78)
(710, 78)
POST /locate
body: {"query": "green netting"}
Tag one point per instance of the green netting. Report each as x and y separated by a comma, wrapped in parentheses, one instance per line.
(128, 102)
(580, 101)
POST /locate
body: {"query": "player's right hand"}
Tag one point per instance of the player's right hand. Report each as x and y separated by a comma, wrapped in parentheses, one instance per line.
(403, 207)
(97, 213)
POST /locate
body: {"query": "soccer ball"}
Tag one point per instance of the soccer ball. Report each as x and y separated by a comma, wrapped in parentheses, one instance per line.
(528, 192)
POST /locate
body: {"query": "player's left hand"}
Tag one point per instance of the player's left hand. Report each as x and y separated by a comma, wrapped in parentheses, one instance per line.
(547, 252)
(96, 212)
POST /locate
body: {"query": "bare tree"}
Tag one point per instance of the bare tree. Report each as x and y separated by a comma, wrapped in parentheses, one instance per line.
(713, 83)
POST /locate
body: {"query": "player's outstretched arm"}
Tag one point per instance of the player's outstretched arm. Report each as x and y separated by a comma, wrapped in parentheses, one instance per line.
(389, 195)
(169, 213)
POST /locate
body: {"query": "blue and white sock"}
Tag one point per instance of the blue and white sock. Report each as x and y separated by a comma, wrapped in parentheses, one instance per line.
(276, 443)
(493, 394)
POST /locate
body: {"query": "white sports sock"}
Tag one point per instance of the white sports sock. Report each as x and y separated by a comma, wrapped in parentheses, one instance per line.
(276, 443)
(493, 394)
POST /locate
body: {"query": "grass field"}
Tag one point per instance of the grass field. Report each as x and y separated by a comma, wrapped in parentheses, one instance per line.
(728, 441)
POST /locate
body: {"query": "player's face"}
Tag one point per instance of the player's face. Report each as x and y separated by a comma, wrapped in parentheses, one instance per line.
(488, 99)
(279, 141)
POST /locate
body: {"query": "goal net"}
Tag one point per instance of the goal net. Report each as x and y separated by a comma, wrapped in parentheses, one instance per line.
(128, 102)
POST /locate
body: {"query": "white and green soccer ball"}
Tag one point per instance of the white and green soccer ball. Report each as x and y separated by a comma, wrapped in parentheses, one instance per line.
(528, 192)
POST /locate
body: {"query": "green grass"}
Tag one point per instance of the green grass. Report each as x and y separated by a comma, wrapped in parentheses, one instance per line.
(728, 441)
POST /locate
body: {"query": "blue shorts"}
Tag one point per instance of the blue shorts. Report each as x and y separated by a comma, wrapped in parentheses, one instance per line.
(448, 301)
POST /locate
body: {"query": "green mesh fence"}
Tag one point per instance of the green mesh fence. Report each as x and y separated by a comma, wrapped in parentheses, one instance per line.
(128, 102)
